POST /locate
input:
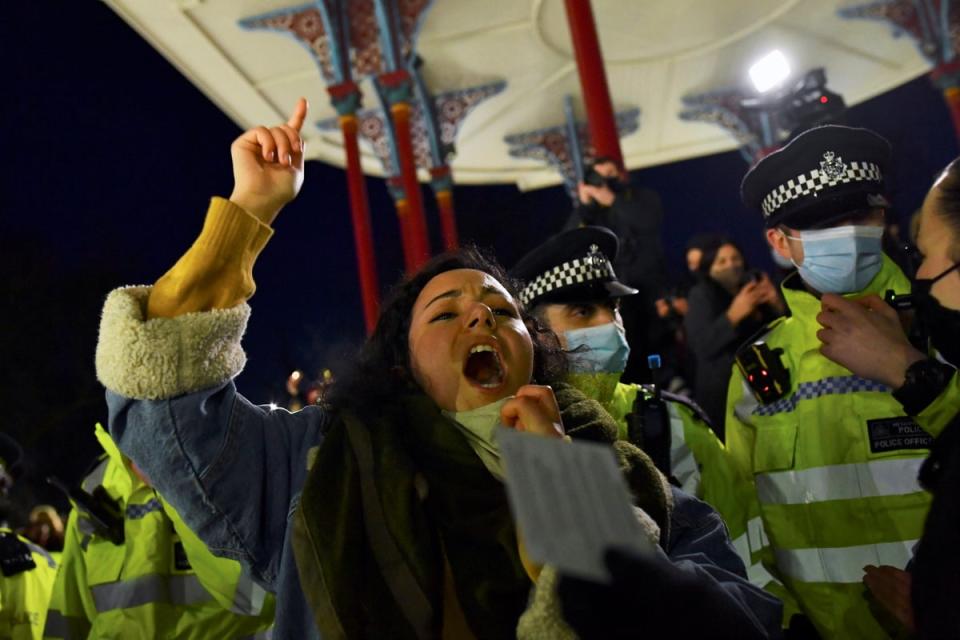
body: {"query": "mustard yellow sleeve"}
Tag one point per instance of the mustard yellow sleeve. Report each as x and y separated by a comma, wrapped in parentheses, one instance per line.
(217, 271)
(532, 568)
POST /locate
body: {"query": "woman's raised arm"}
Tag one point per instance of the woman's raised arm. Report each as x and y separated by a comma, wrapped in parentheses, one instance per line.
(217, 271)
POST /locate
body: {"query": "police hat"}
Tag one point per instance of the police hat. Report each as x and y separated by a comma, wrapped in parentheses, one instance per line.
(571, 266)
(821, 176)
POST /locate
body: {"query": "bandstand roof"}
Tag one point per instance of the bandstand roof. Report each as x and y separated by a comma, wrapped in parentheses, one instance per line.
(656, 51)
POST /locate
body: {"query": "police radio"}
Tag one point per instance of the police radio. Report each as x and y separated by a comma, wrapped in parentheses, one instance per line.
(102, 510)
(648, 424)
(763, 370)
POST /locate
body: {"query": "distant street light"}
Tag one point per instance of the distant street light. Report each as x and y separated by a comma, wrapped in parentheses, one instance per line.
(770, 71)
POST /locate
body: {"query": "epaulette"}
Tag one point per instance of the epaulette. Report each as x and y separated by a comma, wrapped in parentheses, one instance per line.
(762, 367)
(15, 555)
(689, 403)
(96, 470)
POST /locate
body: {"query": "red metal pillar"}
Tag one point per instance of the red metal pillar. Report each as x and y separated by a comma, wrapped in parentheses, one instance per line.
(344, 95)
(946, 77)
(397, 84)
(406, 234)
(593, 80)
(952, 97)
(443, 190)
(448, 222)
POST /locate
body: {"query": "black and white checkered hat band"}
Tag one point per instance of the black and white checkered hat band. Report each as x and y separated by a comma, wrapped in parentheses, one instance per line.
(817, 180)
(590, 267)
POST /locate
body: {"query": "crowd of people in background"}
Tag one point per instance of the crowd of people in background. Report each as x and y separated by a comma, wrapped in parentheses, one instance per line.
(788, 440)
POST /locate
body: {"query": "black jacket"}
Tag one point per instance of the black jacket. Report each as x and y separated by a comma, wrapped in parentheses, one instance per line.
(936, 567)
(636, 217)
(713, 343)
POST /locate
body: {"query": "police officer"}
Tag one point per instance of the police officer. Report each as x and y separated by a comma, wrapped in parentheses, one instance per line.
(27, 571)
(131, 568)
(833, 456)
(571, 288)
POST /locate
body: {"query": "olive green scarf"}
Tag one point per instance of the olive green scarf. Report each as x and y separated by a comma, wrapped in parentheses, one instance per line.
(370, 551)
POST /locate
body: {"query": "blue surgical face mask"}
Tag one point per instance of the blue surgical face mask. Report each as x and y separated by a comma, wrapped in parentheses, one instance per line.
(841, 259)
(605, 349)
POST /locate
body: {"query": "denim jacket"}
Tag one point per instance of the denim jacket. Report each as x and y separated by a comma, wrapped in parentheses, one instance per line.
(234, 470)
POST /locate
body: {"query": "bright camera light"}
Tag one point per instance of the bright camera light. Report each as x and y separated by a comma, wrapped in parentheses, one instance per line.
(769, 71)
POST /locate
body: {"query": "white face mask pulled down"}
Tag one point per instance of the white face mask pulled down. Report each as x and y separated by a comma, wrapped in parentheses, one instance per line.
(479, 426)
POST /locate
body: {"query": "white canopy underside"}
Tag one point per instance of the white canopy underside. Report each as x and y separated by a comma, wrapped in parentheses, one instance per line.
(656, 52)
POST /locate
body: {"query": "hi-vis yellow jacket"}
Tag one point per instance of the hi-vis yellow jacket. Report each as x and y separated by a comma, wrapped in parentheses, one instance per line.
(25, 592)
(162, 582)
(833, 466)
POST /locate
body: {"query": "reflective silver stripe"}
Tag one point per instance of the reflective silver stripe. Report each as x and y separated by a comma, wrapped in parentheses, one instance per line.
(757, 535)
(758, 575)
(753, 540)
(43, 552)
(249, 596)
(742, 547)
(95, 478)
(841, 564)
(891, 477)
(58, 625)
(683, 466)
(180, 590)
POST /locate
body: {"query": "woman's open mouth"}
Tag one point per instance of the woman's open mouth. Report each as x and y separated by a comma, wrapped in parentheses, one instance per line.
(483, 367)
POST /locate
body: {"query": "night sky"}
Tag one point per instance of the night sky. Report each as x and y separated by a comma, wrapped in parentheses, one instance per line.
(112, 155)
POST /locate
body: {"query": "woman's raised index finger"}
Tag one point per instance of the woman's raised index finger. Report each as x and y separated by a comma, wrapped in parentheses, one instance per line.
(299, 114)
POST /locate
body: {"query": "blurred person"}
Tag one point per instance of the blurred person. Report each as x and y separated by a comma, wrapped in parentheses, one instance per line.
(27, 570)
(382, 513)
(865, 335)
(693, 254)
(45, 528)
(726, 307)
(144, 574)
(832, 455)
(635, 216)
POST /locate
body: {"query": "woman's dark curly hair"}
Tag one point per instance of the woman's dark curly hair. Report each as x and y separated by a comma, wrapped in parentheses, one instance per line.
(382, 368)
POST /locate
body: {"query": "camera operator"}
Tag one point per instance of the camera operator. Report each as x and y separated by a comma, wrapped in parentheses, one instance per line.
(635, 216)
(865, 335)
(727, 306)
